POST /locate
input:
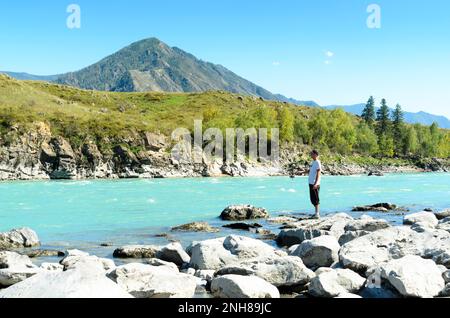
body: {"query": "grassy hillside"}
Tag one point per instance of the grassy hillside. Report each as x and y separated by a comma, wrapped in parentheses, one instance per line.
(109, 118)
(76, 113)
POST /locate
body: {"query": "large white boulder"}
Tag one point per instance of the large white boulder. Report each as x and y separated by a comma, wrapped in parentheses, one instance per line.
(318, 252)
(23, 237)
(311, 228)
(73, 283)
(146, 281)
(336, 282)
(367, 223)
(284, 271)
(237, 286)
(413, 276)
(15, 268)
(424, 219)
(174, 253)
(220, 252)
(392, 243)
(75, 258)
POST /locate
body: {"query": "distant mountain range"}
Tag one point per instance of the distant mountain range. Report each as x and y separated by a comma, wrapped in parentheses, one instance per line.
(412, 118)
(152, 65)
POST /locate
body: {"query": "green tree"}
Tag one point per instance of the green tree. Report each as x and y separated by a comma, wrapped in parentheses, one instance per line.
(302, 131)
(398, 129)
(366, 140)
(383, 119)
(410, 141)
(340, 132)
(368, 113)
(386, 146)
(286, 125)
(318, 126)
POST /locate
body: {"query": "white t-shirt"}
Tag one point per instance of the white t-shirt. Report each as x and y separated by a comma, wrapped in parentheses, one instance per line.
(316, 165)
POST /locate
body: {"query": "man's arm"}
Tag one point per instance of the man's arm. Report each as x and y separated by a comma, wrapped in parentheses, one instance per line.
(316, 183)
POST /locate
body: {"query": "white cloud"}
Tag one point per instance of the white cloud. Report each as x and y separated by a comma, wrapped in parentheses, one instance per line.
(327, 62)
(329, 54)
(276, 63)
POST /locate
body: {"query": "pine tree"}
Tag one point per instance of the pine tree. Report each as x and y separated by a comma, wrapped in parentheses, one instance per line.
(383, 119)
(398, 129)
(368, 113)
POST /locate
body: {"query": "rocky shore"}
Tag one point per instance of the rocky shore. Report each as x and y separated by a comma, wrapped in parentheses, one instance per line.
(337, 256)
(39, 155)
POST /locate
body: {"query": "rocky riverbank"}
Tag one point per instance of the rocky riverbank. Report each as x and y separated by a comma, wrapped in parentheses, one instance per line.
(337, 256)
(37, 155)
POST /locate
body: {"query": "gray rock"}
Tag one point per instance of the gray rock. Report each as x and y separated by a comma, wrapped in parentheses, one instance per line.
(82, 282)
(236, 286)
(281, 271)
(15, 268)
(52, 267)
(44, 253)
(220, 252)
(243, 212)
(159, 262)
(442, 214)
(75, 259)
(318, 252)
(309, 229)
(348, 295)
(13, 259)
(336, 282)
(205, 274)
(380, 207)
(136, 251)
(350, 236)
(366, 223)
(445, 292)
(392, 243)
(23, 237)
(196, 227)
(146, 281)
(446, 276)
(413, 276)
(11, 276)
(425, 219)
(174, 253)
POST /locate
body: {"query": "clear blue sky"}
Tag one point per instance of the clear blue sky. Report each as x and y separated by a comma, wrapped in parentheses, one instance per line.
(281, 45)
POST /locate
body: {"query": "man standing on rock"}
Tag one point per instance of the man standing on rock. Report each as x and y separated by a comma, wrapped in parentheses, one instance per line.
(314, 182)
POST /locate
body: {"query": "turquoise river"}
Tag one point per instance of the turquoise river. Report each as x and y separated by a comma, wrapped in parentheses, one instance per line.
(84, 214)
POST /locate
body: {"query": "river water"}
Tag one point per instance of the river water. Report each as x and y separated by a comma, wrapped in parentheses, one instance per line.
(84, 214)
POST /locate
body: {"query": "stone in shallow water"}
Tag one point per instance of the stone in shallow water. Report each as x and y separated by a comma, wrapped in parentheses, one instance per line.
(44, 253)
(136, 251)
(243, 212)
(23, 237)
(196, 227)
(236, 286)
(380, 207)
